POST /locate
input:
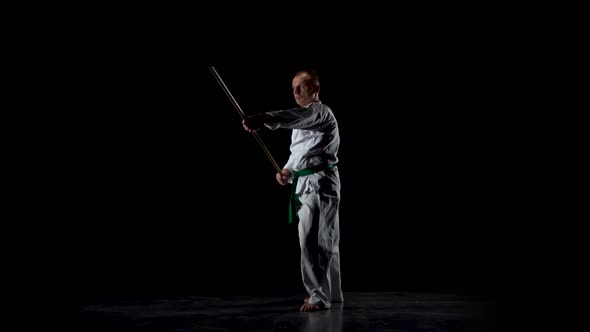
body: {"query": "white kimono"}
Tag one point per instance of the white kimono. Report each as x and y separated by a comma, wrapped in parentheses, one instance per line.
(315, 141)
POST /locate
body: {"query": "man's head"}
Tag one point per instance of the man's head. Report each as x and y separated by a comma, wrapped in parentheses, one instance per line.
(306, 87)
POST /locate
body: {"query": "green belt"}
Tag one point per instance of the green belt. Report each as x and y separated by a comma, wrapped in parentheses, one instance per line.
(296, 175)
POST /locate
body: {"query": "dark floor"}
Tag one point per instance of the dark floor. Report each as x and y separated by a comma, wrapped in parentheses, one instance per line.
(362, 311)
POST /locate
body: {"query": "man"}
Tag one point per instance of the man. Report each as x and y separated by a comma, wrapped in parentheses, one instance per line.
(316, 183)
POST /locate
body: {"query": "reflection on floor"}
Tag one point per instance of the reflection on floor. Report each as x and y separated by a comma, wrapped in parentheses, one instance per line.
(361, 311)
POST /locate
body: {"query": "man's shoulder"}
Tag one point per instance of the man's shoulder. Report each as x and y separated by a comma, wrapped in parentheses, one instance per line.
(326, 109)
(318, 105)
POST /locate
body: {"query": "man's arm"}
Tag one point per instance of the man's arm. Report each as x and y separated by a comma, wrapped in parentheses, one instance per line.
(313, 117)
(255, 122)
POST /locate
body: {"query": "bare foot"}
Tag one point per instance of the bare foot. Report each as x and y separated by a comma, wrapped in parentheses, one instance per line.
(311, 307)
(333, 301)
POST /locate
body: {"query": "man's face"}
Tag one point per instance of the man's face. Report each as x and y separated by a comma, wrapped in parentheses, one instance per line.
(303, 91)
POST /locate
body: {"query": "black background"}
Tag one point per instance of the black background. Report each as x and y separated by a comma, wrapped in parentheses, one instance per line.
(143, 181)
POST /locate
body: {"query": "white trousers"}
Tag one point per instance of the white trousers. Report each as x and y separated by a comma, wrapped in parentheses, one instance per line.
(319, 237)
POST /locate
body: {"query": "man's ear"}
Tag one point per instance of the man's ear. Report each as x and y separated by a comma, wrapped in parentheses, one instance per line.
(316, 88)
